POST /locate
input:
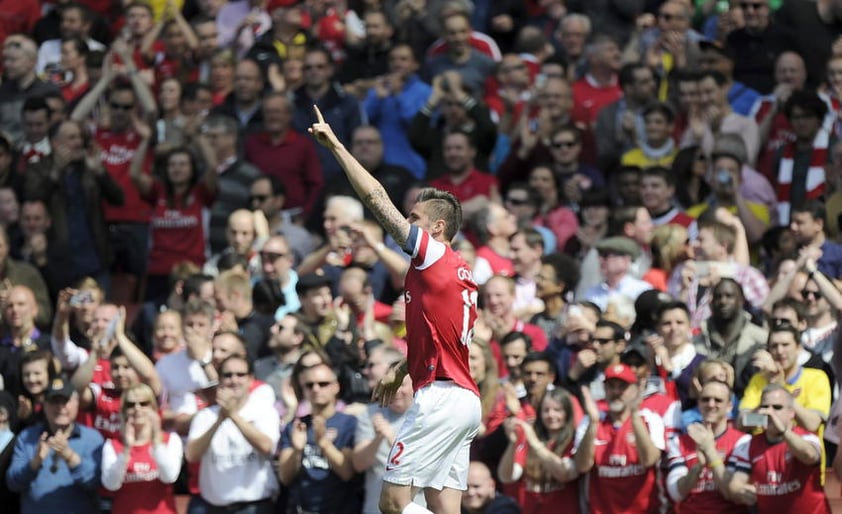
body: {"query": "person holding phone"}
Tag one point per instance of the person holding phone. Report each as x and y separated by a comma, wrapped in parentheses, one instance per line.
(778, 364)
(779, 469)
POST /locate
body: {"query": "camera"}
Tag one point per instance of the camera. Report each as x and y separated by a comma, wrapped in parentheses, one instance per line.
(724, 177)
(755, 420)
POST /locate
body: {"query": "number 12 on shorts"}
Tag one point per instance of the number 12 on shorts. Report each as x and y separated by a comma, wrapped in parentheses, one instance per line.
(469, 301)
(394, 459)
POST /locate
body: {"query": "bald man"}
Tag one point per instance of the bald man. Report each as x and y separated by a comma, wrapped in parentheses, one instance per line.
(482, 497)
(20, 54)
(20, 336)
(241, 235)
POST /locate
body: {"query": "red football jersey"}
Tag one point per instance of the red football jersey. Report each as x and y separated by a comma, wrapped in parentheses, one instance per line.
(142, 492)
(783, 483)
(118, 149)
(441, 309)
(618, 483)
(704, 497)
(106, 411)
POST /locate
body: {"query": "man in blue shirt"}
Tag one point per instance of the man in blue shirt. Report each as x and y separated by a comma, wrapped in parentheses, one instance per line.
(55, 466)
(807, 225)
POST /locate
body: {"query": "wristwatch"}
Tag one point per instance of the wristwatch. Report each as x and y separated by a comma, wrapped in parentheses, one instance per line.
(207, 360)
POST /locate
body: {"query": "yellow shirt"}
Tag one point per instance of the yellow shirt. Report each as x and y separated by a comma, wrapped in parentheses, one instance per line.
(759, 210)
(636, 157)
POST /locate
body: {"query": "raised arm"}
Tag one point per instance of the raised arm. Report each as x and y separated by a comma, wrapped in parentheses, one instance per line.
(142, 181)
(370, 191)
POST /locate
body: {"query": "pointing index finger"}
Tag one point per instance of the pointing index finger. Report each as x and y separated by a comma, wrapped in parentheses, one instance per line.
(319, 114)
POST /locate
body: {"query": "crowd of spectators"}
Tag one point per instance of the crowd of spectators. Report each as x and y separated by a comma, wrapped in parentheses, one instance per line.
(195, 304)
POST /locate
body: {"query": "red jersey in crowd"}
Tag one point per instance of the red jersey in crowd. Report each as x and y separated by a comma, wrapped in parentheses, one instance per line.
(704, 496)
(783, 483)
(178, 232)
(142, 492)
(118, 149)
(618, 483)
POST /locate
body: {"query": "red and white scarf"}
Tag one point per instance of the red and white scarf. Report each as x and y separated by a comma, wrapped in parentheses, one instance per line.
(815, 186)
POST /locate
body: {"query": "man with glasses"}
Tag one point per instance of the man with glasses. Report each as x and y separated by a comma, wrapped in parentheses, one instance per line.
(607, 345)
(757, 45)
(316, 451)
(341, 110)
(118, 139)
(697, 476)
(234, 441)
(779, 365)
(779, 469)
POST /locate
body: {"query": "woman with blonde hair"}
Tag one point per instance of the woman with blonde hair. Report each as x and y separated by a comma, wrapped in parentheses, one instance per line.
(142, 465)
(483, 368)
(670, 247)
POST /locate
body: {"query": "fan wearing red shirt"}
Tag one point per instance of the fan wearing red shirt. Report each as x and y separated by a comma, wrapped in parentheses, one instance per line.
(129, 365)
(128, 223)
(599, 86)
(431, 450)
(471, 187)
(697, 475)
(622, 450)
(779, 469)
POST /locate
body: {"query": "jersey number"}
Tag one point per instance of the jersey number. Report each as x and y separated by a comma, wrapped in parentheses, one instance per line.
(398, 452)
(469, 300)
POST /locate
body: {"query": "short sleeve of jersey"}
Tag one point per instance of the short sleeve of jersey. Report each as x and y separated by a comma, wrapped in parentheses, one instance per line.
(816, 393)
(365, 428)
(677, 466)
(740, 459)
(655, 423)
(423, 249)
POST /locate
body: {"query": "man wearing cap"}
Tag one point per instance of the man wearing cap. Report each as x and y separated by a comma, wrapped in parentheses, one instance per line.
(727, 192)
(615, 258)
(621, 449)
(717, 56)
(55, 465)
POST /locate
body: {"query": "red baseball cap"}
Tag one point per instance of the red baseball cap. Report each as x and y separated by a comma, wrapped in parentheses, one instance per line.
(621, 372)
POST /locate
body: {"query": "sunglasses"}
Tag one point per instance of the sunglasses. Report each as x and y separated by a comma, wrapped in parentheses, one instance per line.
(312, 385)
(602, 340)
(258, 198)
(137, 405)
(752, 5)
(706, 399)
(232, 374)
(272, 256)
(517, 201)
(775, 406)
(806, 293)
(669, 16)
(564, 144)
(121, 107)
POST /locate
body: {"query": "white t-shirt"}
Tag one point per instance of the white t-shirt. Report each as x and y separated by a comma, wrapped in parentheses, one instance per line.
(180, 377)
(232, 471)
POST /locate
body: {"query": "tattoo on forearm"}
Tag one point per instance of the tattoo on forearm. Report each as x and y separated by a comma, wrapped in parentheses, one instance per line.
(387, 214)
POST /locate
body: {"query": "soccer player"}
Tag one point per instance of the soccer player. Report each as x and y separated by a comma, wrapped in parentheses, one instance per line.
(431, 450)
